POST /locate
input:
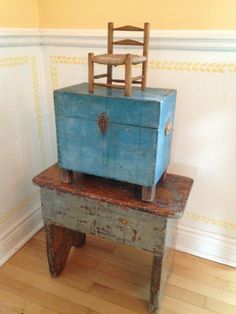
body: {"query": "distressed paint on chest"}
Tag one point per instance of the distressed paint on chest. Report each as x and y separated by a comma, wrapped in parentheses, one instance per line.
(134, 148)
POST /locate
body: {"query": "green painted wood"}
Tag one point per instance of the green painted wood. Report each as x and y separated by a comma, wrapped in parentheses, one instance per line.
(64, 211)
(110, 209)
(131, 227)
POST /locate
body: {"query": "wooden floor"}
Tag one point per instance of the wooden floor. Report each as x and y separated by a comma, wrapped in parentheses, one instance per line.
(103, 277)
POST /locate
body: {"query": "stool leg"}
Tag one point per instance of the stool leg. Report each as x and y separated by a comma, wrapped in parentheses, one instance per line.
(91, 73)
(155, 293)
(59, 242)
(79, 239)
(148, 193)
(128, 74)
(66, 176)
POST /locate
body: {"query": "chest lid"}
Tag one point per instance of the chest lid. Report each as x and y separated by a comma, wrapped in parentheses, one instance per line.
(143, 108)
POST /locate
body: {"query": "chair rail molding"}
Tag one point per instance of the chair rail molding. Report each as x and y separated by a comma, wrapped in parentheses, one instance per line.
(18, 37)
(159, 39)
(215, 40)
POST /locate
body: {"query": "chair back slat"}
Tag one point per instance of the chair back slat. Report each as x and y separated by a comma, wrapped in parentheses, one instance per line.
(128, 42)
(128, 28)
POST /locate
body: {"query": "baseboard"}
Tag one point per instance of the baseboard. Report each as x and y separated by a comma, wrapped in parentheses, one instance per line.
(17, 235)
(207, 245)
(204, 244)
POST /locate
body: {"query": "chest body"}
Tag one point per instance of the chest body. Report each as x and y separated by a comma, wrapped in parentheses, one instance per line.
(112, 136)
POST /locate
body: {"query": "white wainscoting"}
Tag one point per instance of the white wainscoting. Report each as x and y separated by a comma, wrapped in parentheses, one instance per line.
(19, 233)
(25, 149)
(201, 65)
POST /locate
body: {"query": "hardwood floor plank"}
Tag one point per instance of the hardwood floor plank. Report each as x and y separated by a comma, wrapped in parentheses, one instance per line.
(107, 278)
(118, 284)
(41, 297)
(204, 289)
(180, 307)
(134, 255)
(187, 296)
(105, 245)
(220, 307)
(5, 310)
(31, 263)
(114, 296)
(124, 274)
(207, 279)
(60, 290)
(120, 261)
(166, 311)
(80, 276)
(205, 266)
(203, 261)
(21, 305)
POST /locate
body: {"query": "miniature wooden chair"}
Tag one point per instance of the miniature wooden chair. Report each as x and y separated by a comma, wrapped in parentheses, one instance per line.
(128, 60)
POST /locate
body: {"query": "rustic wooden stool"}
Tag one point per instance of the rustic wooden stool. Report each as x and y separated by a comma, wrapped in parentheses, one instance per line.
(112, 210)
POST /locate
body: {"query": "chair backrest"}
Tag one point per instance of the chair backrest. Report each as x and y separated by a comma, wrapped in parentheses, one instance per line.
(128, 42)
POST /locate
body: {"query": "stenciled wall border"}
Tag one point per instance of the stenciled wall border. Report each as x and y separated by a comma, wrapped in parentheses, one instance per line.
(165, 65)
(206, 67)
(7, 62)
(212, 221)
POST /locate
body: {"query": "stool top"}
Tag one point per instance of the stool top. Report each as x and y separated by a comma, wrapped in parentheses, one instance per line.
(170, 201)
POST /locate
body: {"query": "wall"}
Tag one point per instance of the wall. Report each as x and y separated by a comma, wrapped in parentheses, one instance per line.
(23, 121)
(199, 64)
(202, 67)
(19, 13)
(162, 14)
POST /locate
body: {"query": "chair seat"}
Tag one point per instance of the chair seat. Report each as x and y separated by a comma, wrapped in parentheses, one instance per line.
(117, 59)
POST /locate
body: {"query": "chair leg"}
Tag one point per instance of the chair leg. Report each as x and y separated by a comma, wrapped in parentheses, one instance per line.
(91, 73)
(145, 53)
(144, 73)
(128, 74)
(109, 74)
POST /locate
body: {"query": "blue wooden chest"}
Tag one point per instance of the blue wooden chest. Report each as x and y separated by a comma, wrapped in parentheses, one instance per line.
(109, 135)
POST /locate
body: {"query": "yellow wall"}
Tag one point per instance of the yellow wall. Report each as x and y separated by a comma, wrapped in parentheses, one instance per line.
(19, 13)
(162, 14)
